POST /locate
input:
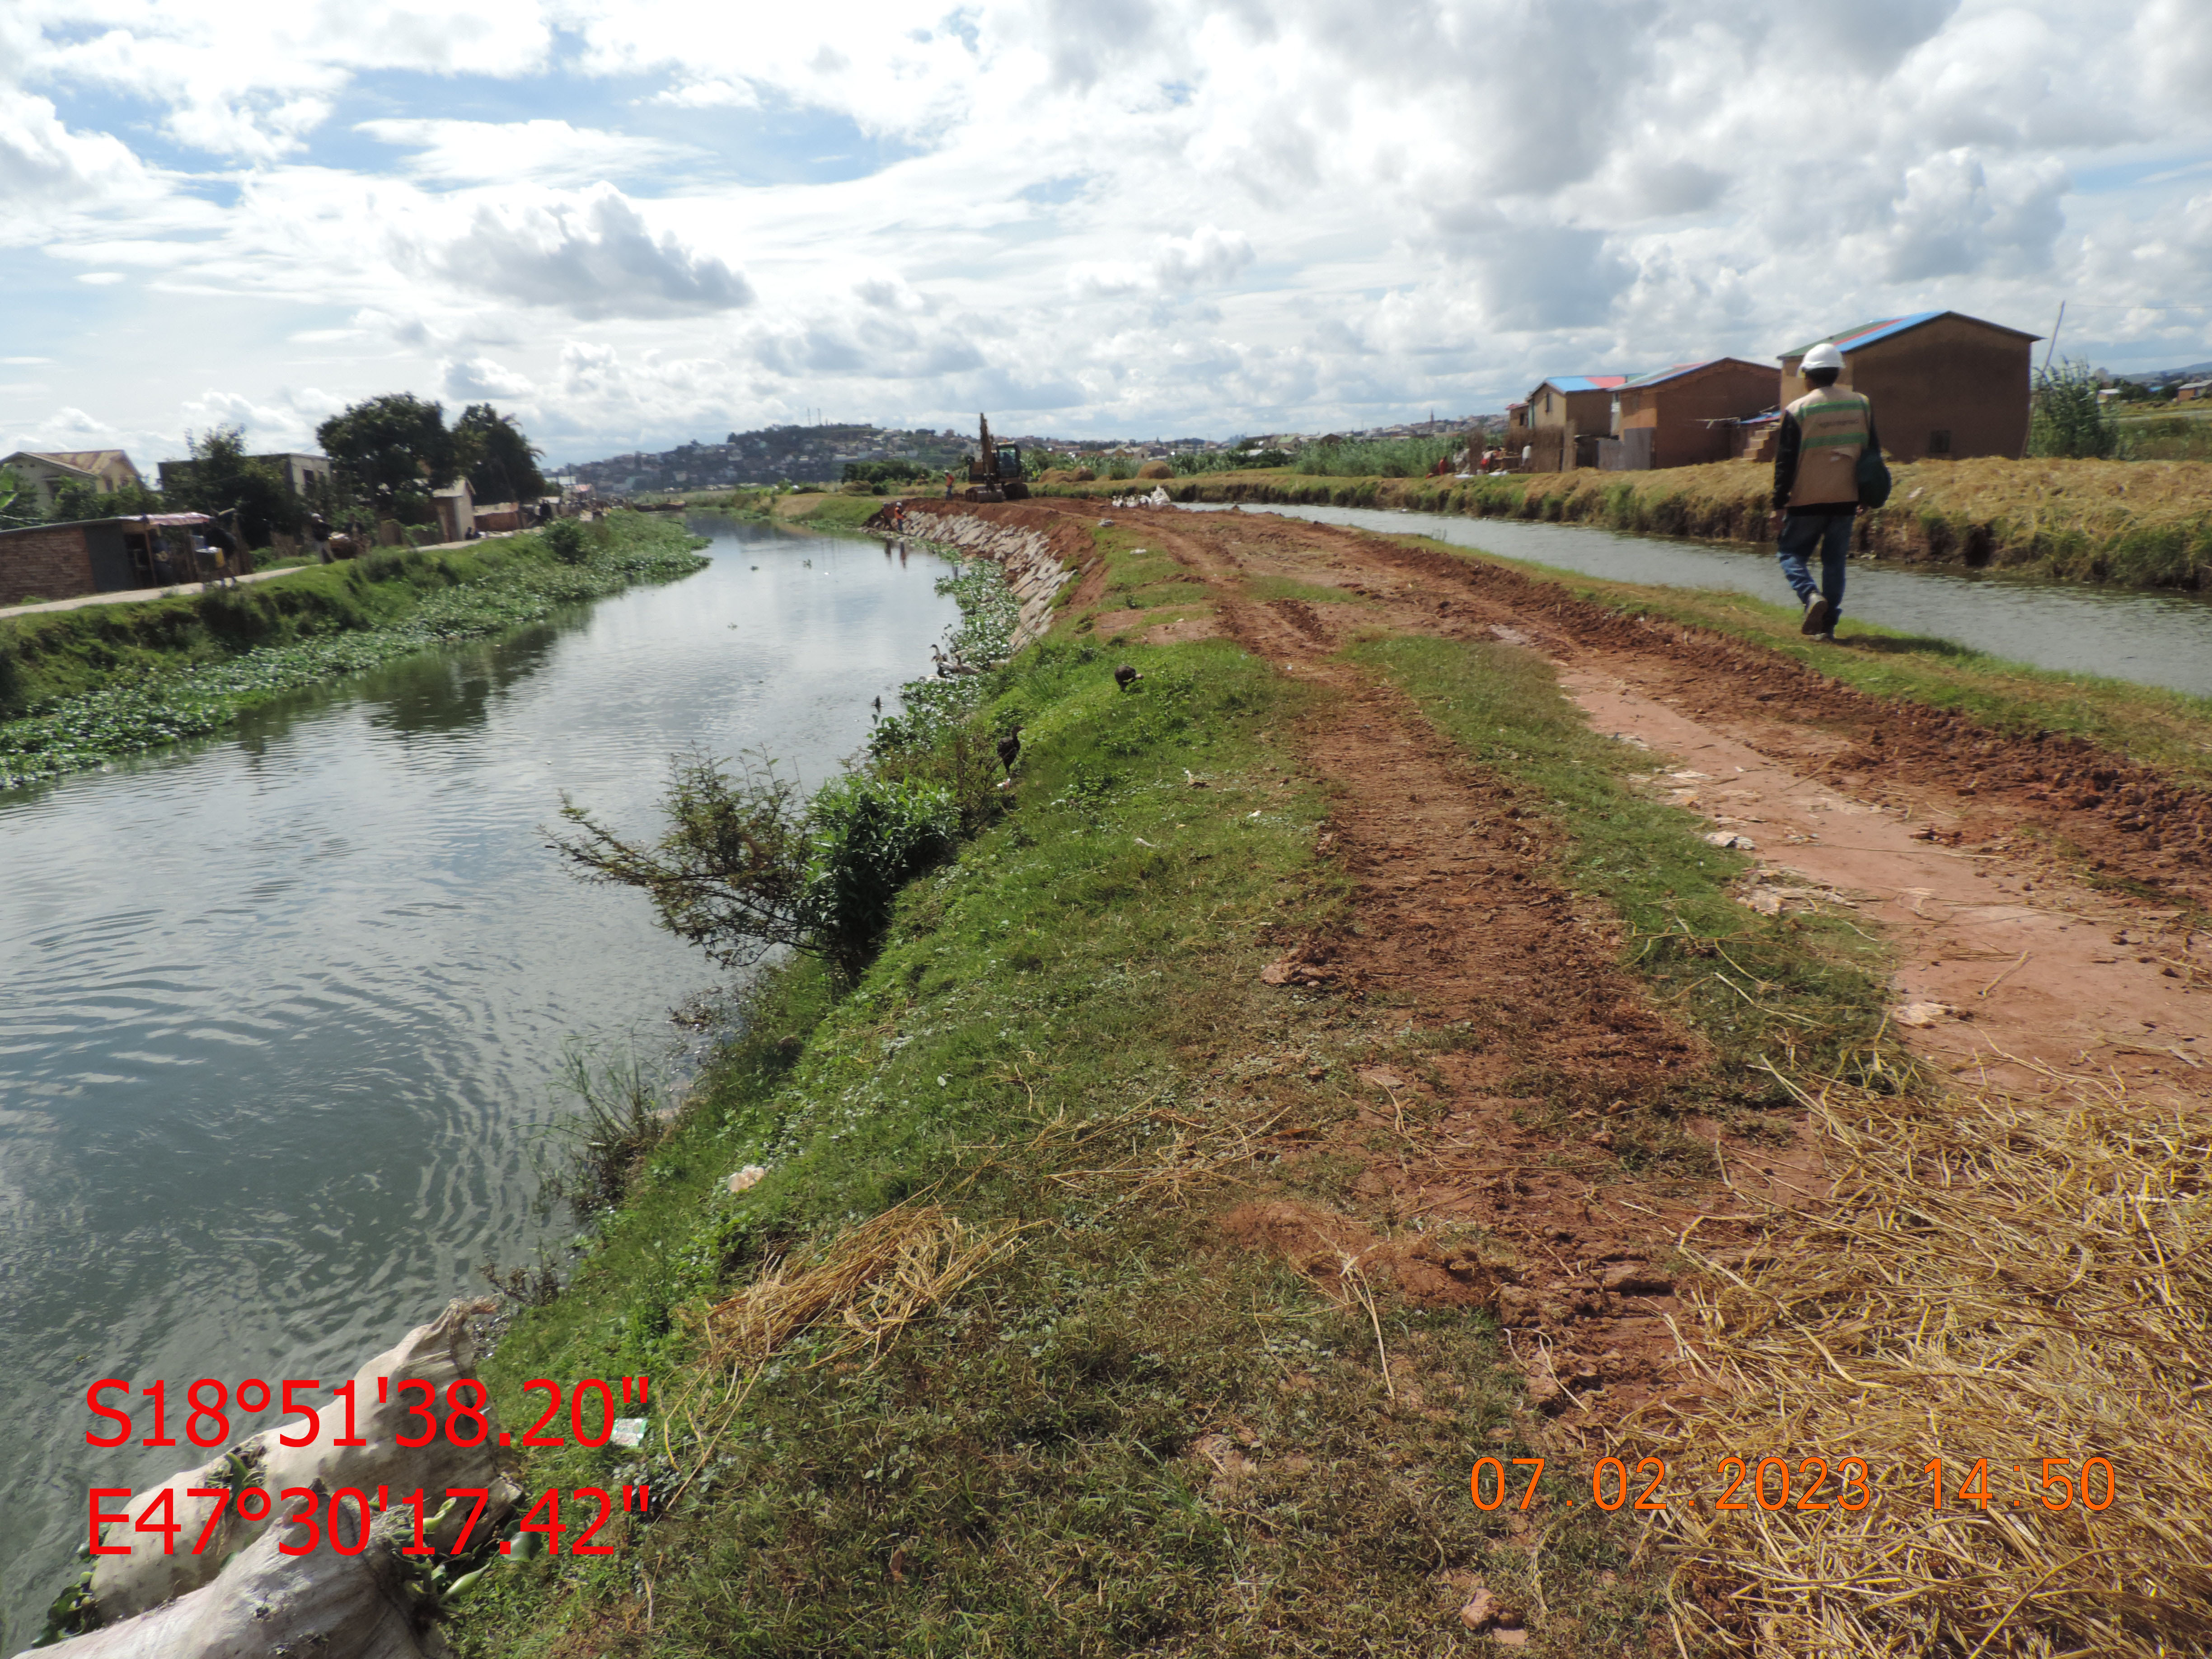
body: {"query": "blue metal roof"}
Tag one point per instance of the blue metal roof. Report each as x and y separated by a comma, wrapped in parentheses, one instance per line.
(1587, 382)
(1867, 333)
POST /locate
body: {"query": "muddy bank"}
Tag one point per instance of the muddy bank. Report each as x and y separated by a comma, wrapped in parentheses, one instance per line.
(2136, 523)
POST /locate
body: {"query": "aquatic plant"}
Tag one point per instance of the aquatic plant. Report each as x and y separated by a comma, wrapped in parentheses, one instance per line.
(169, 704)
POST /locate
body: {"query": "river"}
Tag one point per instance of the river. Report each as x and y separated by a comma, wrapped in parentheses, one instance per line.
(281, 1014)
(2163, 639)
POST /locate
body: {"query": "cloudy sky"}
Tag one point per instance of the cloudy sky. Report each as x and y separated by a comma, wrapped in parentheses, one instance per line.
(638, 222)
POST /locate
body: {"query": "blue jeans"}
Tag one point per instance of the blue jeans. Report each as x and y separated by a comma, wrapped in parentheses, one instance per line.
(1801, 533)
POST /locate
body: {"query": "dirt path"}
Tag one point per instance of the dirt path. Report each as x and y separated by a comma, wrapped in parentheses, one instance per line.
(2013, 964)
(2015, 961)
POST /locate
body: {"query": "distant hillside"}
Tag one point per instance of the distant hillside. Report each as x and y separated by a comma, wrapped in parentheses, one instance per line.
(800, 454)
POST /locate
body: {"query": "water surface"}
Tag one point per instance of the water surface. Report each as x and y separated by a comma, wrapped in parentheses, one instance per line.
(278, 1014)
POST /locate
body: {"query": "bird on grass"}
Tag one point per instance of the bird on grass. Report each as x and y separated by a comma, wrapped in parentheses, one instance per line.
(1009, 747)
(1125, 677)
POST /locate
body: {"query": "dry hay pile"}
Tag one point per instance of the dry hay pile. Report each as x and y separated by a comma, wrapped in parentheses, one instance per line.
(870, 1284)
(1994, 1278)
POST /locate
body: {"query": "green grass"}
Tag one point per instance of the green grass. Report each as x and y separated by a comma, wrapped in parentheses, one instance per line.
(1806, 990)
(80, 688)
(1264, 589)
(1019, 1474)
(2170, 730)
(1064, 1027)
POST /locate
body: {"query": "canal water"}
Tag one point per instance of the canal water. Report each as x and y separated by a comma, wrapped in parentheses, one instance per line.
(2147, 638)
(281, 1015)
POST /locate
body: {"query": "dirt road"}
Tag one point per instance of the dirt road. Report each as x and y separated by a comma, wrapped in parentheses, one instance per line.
(2039, 897)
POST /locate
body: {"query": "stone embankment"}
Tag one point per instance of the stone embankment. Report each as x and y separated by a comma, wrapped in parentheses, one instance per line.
(1034, 570)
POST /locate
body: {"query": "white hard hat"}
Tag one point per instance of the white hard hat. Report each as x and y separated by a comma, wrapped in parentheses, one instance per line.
(1823, 355)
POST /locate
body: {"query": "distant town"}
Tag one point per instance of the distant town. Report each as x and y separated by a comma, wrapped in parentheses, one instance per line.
(820, 454)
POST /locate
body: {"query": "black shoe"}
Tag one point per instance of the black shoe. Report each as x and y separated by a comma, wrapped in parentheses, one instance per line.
(1816, 615)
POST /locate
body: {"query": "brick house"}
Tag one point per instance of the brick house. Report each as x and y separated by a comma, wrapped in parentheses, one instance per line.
(104, 469)
(1563, 421)
(1691, 411)
(98, 556)
(1944, 383)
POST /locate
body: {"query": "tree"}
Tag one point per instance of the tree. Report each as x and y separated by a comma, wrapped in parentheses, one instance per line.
(75, 503)
(391, 449)
(503, 464)
(2068, 417)
(19, 501)
(222, 478)
(748, 866)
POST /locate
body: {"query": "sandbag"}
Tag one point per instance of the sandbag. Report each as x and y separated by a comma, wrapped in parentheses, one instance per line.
(263, 1601)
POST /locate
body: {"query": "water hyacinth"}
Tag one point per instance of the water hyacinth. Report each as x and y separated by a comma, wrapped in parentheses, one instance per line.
(199, 700)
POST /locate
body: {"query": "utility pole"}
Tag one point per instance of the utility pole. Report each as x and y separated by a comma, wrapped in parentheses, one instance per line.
(2053, 346)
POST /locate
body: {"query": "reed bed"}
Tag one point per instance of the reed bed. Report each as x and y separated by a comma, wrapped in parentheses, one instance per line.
(1994, 1279)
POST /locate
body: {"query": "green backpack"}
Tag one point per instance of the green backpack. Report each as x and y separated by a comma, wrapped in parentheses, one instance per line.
(1872, 477)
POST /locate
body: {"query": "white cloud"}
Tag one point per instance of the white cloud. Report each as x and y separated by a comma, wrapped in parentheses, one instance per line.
(541, 152)
(99, 278)
(1128, 215)
(481, 377)
(592, 256)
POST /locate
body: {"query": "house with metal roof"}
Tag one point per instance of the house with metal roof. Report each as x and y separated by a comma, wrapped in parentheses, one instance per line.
(104, 469)
(1687, 414)
(1942, 383)
(1563, 421)
(105, 556)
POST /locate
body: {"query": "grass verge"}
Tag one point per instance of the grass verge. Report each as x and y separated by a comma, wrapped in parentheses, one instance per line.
(1803, 989)
(2135, 524)
(2171, 730)
(81, 688)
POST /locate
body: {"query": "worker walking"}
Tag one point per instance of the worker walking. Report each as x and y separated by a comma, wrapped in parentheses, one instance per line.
(1817, 485)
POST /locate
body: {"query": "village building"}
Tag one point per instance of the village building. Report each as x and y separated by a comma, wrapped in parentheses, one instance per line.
(2191, 390)
(1563, 421)
(302, 473)
(103, 556)
(1687, 414)
(1944, 383)
(104, 469)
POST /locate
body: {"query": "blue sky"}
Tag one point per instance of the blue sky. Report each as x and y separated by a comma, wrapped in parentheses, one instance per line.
(634, 224)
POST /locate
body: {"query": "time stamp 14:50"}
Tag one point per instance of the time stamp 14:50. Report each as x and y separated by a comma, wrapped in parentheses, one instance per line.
(1810, 1484)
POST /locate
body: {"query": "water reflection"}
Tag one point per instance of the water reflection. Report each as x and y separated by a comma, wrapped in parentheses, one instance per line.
(277, 1013)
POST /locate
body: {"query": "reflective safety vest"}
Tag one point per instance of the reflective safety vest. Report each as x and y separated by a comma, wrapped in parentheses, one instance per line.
(1832, 425)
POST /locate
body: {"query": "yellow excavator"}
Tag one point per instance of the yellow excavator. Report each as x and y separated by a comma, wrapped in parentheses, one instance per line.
(995, 473)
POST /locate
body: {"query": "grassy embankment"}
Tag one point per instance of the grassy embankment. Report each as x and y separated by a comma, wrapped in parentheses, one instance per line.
(80, 688)
(2143, 524)
(1071, 1418)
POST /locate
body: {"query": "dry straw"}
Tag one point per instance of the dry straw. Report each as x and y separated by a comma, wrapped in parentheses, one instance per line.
(1994, 1278)
(868, 1284)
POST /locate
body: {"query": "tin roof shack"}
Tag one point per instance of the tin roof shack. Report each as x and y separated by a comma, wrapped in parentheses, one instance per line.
(104, 469)
(1692, 410)
(98, 556)
(1944, 383)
